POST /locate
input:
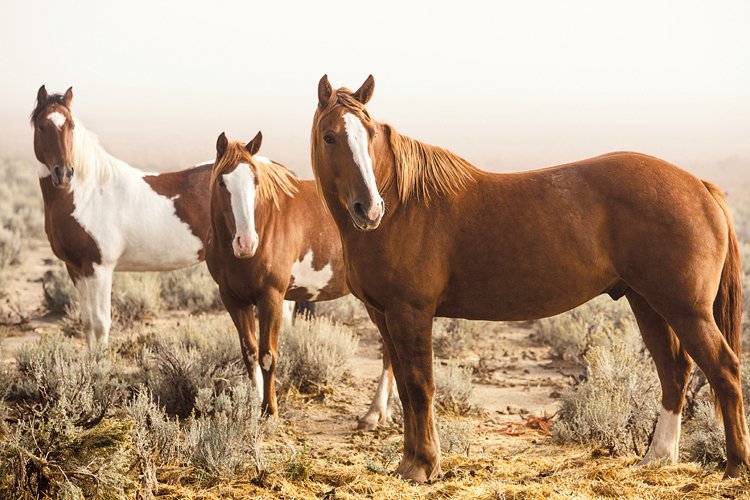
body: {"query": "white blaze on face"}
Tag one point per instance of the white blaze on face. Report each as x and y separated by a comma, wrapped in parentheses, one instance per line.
(356, 136)
(305, 276)
(57, 119)
(241, 186)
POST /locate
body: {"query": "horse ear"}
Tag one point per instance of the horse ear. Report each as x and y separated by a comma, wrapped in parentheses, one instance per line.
(254, 146)
(41, 94)
(325, 91)
(221, 145)
(68, 97)
(364, 93)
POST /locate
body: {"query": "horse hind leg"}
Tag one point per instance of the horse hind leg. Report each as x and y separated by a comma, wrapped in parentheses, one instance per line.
(674, 367)
(702, 339)
(380, 409)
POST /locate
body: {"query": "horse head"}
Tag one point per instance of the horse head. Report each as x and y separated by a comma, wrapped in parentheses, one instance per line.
(234, 186)
(53, 135)
(341, 148)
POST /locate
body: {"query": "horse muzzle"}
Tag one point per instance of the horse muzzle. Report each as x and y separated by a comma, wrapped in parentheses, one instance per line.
(245, 246)
(61, 176)
(367, 217)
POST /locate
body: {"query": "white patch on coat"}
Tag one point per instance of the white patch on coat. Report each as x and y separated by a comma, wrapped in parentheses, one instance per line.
(58, 119)
(240, 183)
(356, 136)
(42, 171)
(665, 444)
(134, 227)
(267, 360)
(304, 275)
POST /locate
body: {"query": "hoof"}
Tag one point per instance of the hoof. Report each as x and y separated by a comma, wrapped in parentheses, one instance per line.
(736, 470)
(657, 459)
(371, 421)
(412, 470)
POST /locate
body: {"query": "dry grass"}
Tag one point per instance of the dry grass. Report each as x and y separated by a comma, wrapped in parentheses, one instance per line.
(191, 288)
(347, 310)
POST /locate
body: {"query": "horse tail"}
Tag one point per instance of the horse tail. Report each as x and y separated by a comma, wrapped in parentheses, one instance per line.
(728, 302)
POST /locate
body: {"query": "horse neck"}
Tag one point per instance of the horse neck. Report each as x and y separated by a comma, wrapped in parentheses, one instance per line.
(384, 168)
(92, 163)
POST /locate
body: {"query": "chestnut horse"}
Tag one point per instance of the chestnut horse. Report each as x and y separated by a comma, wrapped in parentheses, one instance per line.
(271, 238)
(110, 216)
(427, 234)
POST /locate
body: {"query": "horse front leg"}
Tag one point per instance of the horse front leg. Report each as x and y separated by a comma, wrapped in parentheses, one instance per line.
(243, 317)
(95, 302)
(410, 332)
(269, 319)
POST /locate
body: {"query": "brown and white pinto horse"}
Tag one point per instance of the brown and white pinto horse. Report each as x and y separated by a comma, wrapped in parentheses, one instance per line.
(427, 234)
(101, 215)
(271, 238)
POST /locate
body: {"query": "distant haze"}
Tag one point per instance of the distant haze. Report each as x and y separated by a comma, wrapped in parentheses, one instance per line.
(507, 85)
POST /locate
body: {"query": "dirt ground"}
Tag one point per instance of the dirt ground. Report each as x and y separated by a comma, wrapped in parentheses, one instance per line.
(515, 378)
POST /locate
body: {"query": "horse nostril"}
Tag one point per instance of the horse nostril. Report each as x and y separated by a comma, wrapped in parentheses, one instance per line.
(58, 172)
(359, 209)
(71, 171)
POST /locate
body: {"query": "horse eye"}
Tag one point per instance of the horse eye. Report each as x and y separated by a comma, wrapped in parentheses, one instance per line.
(329, 139)
(41, 128)
(222, 183)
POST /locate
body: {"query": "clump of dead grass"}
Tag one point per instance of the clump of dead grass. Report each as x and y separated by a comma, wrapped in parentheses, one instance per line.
(453, 389)
(191, 288)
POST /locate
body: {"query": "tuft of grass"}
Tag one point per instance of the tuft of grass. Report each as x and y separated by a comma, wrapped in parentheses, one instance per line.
(60, 294)
(135, 296)
(453, 389)
(615, 408)
(455, 436)
(191, 288)
(314, 353)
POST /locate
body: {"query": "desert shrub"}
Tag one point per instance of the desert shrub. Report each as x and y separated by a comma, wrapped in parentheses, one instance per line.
(64, 440)
(453, 389)
(59, 292)
(191, 288)
(49, 455)
(616, 407)
(314, 353)
(11, 244)
(135, 296)
(225, 438)
(198, 354)
(455, 437)
(347, 310)
(600, 322)
(451, 337)
(54, 372)
(703, 439)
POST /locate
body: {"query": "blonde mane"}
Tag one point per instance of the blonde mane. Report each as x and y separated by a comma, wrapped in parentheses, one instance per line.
(421, 170)
(89, 158)
(274, 180)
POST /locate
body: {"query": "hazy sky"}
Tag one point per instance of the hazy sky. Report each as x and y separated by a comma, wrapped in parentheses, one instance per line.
(508, 85)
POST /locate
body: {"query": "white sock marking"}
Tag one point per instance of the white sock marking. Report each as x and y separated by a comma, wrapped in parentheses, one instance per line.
(305, 276)
(267, 360)
(666, 441)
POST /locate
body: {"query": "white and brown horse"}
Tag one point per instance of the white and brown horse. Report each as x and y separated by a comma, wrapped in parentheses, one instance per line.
(101, 215)
(270, 238)
(427, 234)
